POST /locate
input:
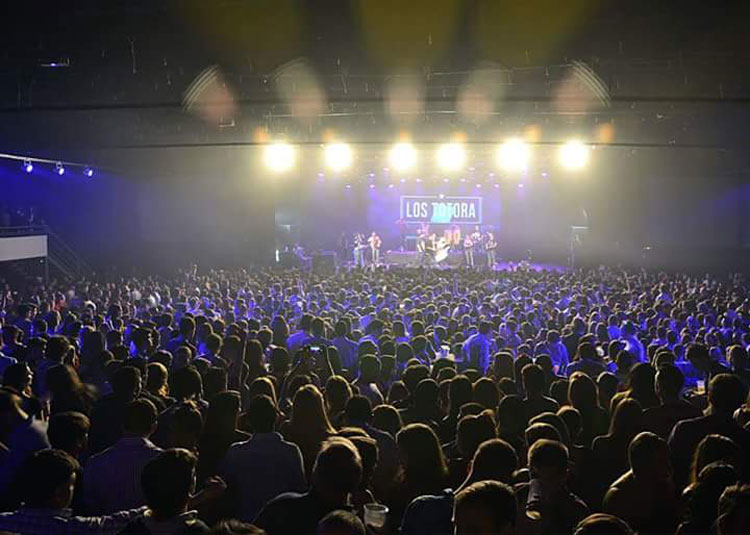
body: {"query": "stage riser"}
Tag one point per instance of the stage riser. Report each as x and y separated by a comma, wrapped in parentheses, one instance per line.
(411, 258)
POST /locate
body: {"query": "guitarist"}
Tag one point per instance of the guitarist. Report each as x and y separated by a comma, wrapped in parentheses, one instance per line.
(469, 251)
(375, 243)
(490, 246)
(359, 250)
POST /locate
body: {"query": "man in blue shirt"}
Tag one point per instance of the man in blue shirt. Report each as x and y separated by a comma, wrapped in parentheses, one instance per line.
(478, 348)
(299, 338)
(347, 348)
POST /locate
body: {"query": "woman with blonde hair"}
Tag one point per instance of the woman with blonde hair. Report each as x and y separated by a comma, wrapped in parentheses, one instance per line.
(308, 426)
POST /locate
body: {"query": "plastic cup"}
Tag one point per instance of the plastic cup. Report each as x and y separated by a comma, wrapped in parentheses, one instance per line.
(375, 515)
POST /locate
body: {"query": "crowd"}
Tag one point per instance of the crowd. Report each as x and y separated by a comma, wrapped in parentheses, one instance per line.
(383, 401)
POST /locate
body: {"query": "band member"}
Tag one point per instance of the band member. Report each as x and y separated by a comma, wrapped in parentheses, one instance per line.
(375, 243)
(343, 245)
(402, 233)
(490, 246)
(469, 251)
(359, 250)
(422, 247)
(442, 247)
(455, 236)
(476, 236)
(425, 228)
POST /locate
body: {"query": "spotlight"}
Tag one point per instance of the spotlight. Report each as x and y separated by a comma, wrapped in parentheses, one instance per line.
(28, 166)
(451, 156)
(59, 169)
(338, 156)
(574, 155)
(403, 156)
(514, 155)
(279, 157)
(88, 172)
(372, 186)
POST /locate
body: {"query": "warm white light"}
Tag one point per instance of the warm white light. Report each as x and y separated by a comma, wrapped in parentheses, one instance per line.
(574, 155)
(403, 156)
(338, 156)
(451, 157)
(279, 157)
(514, 155)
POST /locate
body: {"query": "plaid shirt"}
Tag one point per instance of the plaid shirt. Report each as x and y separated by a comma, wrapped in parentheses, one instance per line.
(32, 521)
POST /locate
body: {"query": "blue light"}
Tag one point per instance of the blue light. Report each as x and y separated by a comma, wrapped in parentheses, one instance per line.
(88, 172)
(28, 167)
(61, 171)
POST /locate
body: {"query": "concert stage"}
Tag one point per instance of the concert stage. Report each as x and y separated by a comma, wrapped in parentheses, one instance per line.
(456, 260)
(411, 259)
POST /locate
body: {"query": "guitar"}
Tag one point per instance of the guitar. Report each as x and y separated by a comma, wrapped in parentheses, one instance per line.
(490, 244)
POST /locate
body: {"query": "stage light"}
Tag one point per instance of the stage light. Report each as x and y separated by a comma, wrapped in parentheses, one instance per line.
(390, 186)
(88, 172)
(403, 156)
(279, 157)
(574, 155)
(28, 166)
(59, 169)
(372, 186)
(514, 155)
(338, 156)
(451, 156)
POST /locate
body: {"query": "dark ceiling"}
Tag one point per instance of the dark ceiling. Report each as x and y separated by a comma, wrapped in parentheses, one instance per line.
(675, 71)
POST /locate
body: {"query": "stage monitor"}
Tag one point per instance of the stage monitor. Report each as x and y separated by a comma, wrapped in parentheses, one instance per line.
(441, 209)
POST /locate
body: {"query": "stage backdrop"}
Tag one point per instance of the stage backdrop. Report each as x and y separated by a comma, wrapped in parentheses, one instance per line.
(532, 217)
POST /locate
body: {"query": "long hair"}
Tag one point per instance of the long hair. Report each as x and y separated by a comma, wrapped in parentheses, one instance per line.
(582, 392)
(423, 466)
(67, 390)
(309, 413)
